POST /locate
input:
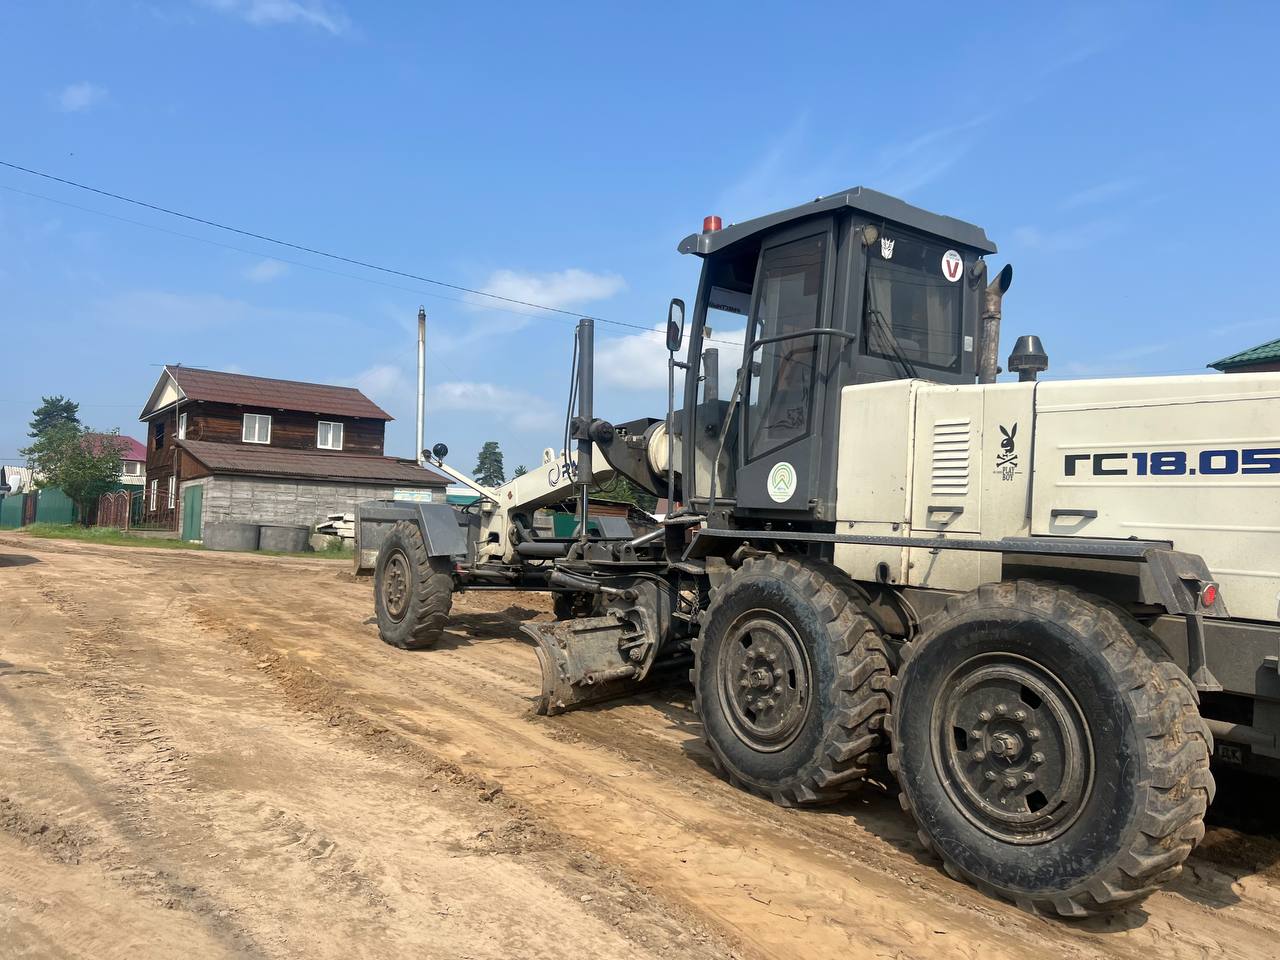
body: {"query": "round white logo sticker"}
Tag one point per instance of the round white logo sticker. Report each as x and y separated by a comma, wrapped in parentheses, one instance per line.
(952, 265)
(782, 482)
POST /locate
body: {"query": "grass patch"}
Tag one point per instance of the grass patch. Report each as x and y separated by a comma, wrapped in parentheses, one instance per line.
(105, 535)
(109, 536)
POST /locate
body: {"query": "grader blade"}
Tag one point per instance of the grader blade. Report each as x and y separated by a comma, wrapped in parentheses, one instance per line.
(582, 662)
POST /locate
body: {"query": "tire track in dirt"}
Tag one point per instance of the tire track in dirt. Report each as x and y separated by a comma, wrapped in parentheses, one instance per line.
(460, 706)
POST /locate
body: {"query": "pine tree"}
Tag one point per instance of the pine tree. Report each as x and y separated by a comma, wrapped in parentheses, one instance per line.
(489, 470)
(52, 412)
(520, 471)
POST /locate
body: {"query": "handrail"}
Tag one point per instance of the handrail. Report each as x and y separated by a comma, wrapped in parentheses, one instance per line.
(742, 374)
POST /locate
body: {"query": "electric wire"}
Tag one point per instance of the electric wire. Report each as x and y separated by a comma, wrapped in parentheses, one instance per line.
(303, 248)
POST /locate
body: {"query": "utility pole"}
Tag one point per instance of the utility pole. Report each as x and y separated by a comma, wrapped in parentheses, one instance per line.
(422, 383)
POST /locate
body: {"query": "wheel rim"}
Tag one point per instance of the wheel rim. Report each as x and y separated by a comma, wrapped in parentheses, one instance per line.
(1013, 748)
(395, 585)
(764, 681)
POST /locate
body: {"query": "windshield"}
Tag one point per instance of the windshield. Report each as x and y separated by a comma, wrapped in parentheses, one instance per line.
(912, 303)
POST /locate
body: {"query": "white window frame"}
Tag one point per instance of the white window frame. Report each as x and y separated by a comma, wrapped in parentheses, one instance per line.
(332, 425)
(126, 471)
(258, 417)
(182, 426)
(173, 487)
(155, 486)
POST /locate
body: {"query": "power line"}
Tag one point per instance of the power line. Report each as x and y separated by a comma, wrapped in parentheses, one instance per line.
(300, 247)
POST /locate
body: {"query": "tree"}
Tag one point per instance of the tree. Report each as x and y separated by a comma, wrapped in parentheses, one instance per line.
(82, 464)
(52, 412)
(489, 469)
(624, 491)
(520, 471)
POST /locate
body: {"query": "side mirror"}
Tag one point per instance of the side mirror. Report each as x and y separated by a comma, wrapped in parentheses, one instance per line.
(440, 451)
(675, 325)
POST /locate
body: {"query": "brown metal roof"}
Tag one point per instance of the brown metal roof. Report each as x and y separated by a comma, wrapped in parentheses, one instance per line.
(267, 462)
(219, 387)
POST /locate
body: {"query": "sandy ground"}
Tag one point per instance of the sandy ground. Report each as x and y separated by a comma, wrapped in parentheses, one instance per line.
(209, 755)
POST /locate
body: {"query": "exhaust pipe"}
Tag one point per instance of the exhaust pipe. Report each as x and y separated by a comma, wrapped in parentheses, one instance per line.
(989, 339)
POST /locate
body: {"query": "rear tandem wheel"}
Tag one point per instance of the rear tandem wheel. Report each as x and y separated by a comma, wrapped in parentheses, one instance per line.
(1051, 752)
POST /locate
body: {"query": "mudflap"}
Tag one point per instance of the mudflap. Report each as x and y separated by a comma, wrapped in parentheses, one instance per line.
(583, 661)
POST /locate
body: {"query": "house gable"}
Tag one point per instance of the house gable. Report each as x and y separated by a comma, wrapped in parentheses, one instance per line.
(165, 394)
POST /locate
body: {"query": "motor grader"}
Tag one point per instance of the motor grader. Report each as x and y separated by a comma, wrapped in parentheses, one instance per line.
(1036, 603)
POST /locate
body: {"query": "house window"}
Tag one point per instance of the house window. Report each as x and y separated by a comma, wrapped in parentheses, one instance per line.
(257, 428)
(182, 426)
(157, 433)
(172, 485)
(329, 435)
(155, 484)
(132, 468)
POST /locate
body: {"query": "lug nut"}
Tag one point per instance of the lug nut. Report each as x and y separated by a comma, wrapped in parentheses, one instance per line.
(1037, 758)
(990, 774)
(1010, 783)
(1001, 709)
(772, 658)
(777, 674)
(1028, 777)
(979, 755)
(1033, 733)
(1020, 715)
(985, 716)
(976, 734)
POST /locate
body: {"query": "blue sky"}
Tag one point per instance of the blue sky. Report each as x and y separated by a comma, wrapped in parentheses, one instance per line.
(1123, 157)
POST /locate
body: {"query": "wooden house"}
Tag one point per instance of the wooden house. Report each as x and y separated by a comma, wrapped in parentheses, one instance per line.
(225, 446)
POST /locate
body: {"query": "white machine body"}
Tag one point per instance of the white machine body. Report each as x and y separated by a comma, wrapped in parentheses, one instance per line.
(1190, 460)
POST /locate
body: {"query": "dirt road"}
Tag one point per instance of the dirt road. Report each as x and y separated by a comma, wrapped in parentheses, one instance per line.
(214, 756)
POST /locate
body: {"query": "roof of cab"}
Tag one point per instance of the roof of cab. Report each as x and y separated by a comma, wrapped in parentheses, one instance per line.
(877, 205)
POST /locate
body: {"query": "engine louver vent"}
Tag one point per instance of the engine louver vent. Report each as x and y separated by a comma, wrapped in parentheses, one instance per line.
(951, 457)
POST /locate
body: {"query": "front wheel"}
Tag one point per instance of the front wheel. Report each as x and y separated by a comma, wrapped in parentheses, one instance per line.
(1050, 751)
(412, 591)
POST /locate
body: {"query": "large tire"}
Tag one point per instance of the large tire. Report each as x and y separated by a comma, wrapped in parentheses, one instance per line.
(1049, 750)
(412, 592)
(789, 681)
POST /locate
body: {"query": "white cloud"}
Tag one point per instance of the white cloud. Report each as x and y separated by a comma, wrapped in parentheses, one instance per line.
(384, 380)
(639, 361)
(522, 410)
(76, 97)
(1065, 239)
(560, 289)
(266, 270)
(162, 309)
(1100, 192)
(264, 13)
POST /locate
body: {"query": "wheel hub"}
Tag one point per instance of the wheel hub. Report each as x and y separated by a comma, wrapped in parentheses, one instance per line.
(395, 586)
(1012, 748)
(764, 681)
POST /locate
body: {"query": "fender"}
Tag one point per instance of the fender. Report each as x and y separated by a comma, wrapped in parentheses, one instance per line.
(442, 529)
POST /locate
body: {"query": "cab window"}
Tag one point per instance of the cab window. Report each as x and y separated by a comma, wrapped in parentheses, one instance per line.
(780, 403)
(912, 307)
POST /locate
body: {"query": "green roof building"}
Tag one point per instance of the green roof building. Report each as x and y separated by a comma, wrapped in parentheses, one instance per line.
(1259, 359)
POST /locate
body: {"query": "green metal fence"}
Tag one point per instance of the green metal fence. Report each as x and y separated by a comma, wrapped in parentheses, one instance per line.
(51, 505)
(11, 508)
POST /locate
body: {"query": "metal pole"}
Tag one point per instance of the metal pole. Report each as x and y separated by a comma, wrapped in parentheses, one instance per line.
(586, 363)
(671, 433)
(422, 383)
